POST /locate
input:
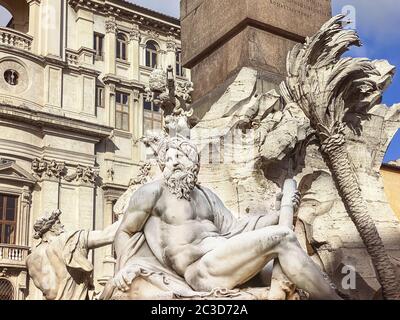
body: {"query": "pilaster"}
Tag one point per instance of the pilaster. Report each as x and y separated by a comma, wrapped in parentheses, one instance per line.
(110, 46)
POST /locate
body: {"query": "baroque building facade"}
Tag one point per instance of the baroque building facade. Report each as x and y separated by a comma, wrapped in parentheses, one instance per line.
(72, 108)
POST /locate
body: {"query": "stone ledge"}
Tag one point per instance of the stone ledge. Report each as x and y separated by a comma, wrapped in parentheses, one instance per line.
(43, 119)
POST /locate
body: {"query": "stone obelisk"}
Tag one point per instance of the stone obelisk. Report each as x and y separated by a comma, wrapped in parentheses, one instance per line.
(219, 37)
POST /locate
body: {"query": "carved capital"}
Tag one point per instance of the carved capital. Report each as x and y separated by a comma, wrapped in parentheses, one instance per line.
(153, 34)
(48, 168)
(171, 44)
(4, 273)
(134, 35)
(86, 175)
(111, 25)
(112, 88)
(52, 169)
(136, 95)
(39, 167)
(26, 198)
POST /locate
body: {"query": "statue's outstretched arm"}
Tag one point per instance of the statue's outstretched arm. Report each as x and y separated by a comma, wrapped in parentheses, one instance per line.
(226, 222)
(100, 238)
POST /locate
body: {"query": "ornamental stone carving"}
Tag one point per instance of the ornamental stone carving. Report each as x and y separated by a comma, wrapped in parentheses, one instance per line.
(39, 167)
(134, 35)
(56, 169)
(111, 25)
(52, 169)
(153, 34)
(48, 168)
(171, 44)
(83, 174)
(4, 273)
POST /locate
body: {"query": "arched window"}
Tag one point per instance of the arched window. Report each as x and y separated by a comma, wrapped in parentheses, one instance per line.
(5, 17)
(15, 16)
(6, 290)
(151, 54)
(121, 46)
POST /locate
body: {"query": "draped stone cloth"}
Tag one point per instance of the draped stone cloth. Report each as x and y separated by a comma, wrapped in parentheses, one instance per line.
(154, 280)
(66, 255)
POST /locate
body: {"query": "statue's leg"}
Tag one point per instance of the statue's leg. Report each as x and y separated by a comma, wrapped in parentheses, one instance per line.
(241, 257)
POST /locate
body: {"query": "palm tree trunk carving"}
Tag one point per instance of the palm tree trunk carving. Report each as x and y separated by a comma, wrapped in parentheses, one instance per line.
(327, 87)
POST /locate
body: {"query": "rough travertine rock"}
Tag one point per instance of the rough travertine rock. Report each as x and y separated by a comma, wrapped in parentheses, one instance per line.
(255, 165)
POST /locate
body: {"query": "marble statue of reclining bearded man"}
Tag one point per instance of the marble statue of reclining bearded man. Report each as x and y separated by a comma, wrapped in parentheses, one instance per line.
(178, 240)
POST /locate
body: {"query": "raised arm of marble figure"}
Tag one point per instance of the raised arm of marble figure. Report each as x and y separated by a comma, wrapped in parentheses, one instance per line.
(226, 221)
(139, 209)
(100, 238)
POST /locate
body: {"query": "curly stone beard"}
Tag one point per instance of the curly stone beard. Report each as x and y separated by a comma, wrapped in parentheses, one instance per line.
(181, 183)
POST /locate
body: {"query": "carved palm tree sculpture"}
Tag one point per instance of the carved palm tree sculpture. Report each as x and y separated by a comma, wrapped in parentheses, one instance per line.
(328, 88)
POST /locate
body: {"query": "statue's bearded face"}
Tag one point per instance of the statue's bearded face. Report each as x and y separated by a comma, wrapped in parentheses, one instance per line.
(180, 173)
(57, 228)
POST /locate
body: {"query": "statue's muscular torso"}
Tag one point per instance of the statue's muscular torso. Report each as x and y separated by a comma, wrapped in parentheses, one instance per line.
(178, 231)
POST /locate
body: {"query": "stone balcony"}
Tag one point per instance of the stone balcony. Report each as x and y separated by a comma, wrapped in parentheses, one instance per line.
(15, 39)
(13, 256)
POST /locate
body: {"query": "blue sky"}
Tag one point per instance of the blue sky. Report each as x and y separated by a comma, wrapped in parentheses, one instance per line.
(376, 22)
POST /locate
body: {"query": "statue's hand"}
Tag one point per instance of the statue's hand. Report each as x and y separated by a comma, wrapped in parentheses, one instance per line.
(125, 277)
(278, 201)
(295, 200)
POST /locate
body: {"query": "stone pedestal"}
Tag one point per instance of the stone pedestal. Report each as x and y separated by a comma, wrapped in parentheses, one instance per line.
(219, 37)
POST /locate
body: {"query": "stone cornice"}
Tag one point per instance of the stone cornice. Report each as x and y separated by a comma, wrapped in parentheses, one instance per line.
(56, 61)
(391, 166)
(135, 14)
(22, 53)
(47, 120)
(130, 84)
(52, 60)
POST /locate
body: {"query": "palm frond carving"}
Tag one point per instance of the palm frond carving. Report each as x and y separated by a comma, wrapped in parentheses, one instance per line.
(327, 88)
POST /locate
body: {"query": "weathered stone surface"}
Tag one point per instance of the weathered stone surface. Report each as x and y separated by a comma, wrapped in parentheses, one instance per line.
(258, 32)
(248, 184)
(292, 18)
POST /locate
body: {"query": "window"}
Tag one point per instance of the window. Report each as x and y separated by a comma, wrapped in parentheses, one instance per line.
(8, 218)
(11, 77)
(100, 97)
(6, 290)
(179, 68)
(121, 46)
(122, 111)
(98, 46)
(151, 54)
(152, 117)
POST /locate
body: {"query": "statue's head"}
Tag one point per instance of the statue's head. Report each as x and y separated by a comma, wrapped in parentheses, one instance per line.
(42, 165)
(35, 164)
(180, 163)
(48, 225)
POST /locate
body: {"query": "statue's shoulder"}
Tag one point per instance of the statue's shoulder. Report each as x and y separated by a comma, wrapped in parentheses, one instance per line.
(210, 195)
(155, 186)
(147, 195)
